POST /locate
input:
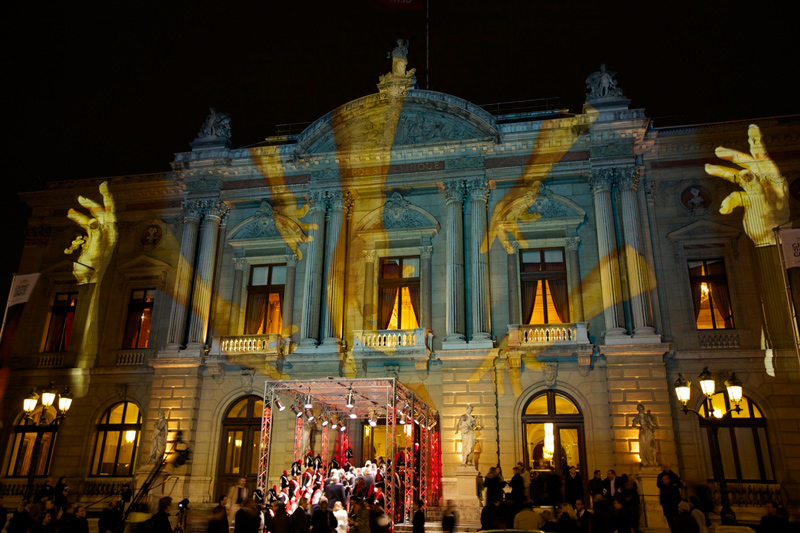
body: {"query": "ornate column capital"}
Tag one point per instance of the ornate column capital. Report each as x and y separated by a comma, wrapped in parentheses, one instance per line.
(512, 248)
(602, 179)
(214, 209)
(192, 211)
(340, 200)
(426, 252)
(453, 191)
(369, 255)
(316, 201)
(628, 178)
(478, 189)
(291, 260)
(239, 263)
(572, 243)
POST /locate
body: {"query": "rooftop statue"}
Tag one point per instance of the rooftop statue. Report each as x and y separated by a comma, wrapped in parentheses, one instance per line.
(602, 84)
(216, 125)
(399, 58)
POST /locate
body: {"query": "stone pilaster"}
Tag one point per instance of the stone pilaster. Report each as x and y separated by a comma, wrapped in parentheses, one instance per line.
(426, 306)
(287, 313)
(335, 253)
(236, 295)
(204, 278)
(638, 282)
(512, 271)
(368, 318)
(183, 280)
(454, 310)
(576, 291)
(309, 327)
(478, 191)
(601, 180)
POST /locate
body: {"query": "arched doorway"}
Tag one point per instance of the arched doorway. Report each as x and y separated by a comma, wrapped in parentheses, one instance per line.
(552, 432)
(241, 439)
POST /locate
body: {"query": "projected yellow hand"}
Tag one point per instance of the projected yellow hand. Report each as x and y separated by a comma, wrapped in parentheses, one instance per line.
(764, 198)
(101, 236)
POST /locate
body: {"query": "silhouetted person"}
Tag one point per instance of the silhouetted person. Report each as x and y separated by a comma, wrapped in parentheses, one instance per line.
(573, 486)
(773, 521)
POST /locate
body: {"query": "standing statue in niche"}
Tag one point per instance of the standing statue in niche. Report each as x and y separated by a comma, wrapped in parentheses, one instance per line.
(309, 429)
(468, 424)
(646, 424)
(158, 440)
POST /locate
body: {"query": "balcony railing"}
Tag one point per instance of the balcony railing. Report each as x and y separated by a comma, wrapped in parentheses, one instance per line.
(51, 360)
(271, 343)
(394, 339)
(747, 494)
(548, 334)
(712, 341)
(131, 357)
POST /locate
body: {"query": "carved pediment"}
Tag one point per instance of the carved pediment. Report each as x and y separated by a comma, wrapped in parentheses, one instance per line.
(398, 214)
(541, 203)
(704, 230)
(266, 223)
(143, 263)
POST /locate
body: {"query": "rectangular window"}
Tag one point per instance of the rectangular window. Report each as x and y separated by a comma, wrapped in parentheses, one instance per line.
(712, 302)
(398, 293)
(545, 294)
(140, 315)
(62, 316)
(265, 300)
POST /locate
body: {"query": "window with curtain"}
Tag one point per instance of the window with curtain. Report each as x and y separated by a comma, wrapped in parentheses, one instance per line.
(710, 296)
(398, 293)
(140, 315)
(62, 316)
(265, 299)
(742, 436)
(117, 440)
(545, 294)
(29, 434)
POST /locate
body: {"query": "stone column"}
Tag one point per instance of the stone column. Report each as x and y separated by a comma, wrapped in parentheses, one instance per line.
(236, 296)
(601, 181)
(309, 327)
(335, 248)
(638, 283)
(478, 191)
(287, 313)
(204, 280)
(425, 287)
(576, 301)
(183, 280)
(512, 270)
(454, 311)
(368, 320)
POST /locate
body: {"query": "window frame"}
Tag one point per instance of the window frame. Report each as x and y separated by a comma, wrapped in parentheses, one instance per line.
(36, 427)
(399, 283)
(706, 278)
(103, 429)
(559, 421)
(268, 289)
(55, 310)
(544, 275)
(141, 308)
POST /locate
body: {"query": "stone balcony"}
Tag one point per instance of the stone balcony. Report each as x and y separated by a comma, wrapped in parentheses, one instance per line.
(252, 350)
(391, 340)
(133, 357)
(555, 339)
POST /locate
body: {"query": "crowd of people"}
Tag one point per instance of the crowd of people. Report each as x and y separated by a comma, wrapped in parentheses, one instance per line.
(48, 511)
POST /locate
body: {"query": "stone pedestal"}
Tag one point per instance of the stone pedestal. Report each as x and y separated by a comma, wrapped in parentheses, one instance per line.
(653, 515)
(466, 495)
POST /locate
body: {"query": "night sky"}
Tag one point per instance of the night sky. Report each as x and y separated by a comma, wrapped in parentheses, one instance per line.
(117, 88)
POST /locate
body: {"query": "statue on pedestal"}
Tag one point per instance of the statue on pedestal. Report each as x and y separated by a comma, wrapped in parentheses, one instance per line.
(646, 424)
(216, 125)
(158, 439)
(468, 424)
(602, 84)
(399, 58)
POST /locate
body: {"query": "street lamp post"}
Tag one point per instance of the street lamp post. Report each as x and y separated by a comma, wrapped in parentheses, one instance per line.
(29, 404)
(708, 386)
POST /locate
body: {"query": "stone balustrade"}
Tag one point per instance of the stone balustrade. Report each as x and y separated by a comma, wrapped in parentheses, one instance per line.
(131, 357)
(747, 494)
(398, 339)
(547, 334)
(713, 341)
(51, 360)
(271, 343)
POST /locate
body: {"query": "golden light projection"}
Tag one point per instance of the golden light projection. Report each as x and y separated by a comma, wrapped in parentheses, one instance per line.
(97, 246)
(765, 196)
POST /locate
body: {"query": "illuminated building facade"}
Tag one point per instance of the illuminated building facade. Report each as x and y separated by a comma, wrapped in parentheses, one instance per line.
(552, 270)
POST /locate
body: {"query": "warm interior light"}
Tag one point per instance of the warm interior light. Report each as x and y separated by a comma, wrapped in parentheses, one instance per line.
(704, 291)
(734, 386)
(29, 403)
(130, 436)
(707, 384)
(48, 396)
(549, 441)
(717, 413)
(682, 389)
(65, 401)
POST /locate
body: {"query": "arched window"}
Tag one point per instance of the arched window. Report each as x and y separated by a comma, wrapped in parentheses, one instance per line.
(117, 440)
(27, 436)
(241, 441)
(743, 445)
(553, 433)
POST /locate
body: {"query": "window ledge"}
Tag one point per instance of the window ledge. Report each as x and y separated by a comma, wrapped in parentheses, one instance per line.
(718, 339)
(135, 357)
(521, 335)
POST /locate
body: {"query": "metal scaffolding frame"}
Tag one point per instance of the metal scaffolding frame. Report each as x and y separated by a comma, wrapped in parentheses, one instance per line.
(380, 398)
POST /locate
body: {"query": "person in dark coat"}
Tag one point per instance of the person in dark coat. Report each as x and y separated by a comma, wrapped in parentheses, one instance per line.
(517, 490)
(685, 522)
(280, 522)
(596, 485)
(773, 521)
(323, 521)
(81, 525)
(334, 491)
(669, 498)
(61, 492)
(611, 486)
(573, 486)
(585, 518)
(449, 518)
(21, 519)
(538, 488)
(45, 491)
(298, 522)
(3, 514)
(160, 522)
(605, 520)
(492, 515)
(553, 487)
(629, 496)
(110, 517)
(418, 521)
(247, 518)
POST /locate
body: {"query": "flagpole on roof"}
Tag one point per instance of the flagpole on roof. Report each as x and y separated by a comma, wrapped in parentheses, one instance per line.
(5, 314)
(428, 44)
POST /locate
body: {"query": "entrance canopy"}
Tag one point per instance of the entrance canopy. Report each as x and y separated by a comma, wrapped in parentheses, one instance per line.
(346, 401)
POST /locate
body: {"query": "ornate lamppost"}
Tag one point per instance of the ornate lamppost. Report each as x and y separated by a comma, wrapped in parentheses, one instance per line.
(29, 404)
(708, 387)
